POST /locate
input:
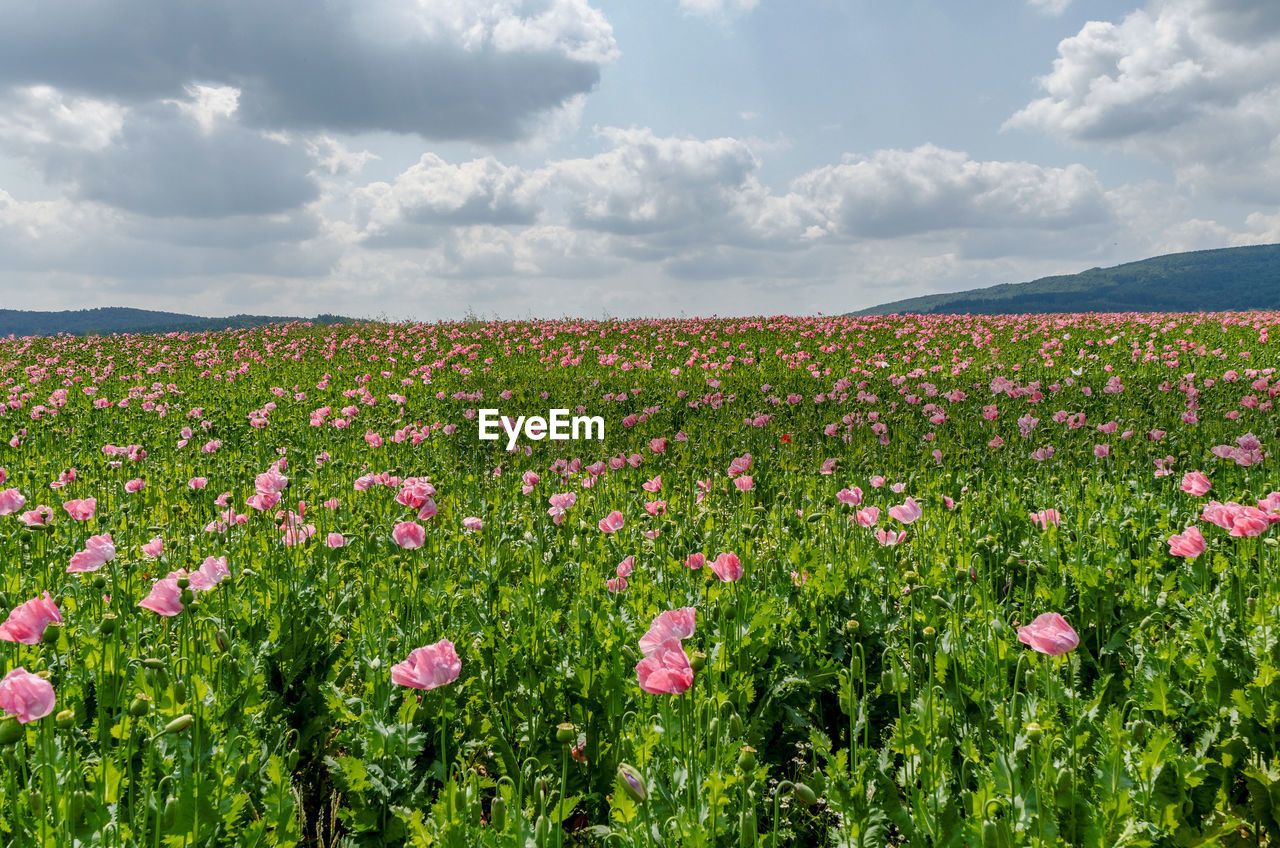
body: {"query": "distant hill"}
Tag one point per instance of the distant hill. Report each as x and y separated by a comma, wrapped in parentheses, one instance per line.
(1233, 278)
(116, 319)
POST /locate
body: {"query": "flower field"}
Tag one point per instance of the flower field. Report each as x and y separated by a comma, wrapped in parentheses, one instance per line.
(950, 581)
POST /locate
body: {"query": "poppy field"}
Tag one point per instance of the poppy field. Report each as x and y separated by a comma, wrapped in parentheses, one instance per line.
(920, 581)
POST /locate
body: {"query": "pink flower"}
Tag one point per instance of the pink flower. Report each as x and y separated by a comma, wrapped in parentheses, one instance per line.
(154, 548)
(1190, 543)
(1045, 517)
(867, 517)
(654, 485)
(666, 670)
(907, 512)
(165, 597)
(335, 540)
(81, 510)
(98, 551)
(727, 567)
(28, 620)
(1195, 483)
(696, 560)
(625, 567)
(38, 517)
(740, 465)
(409, 535)
(877, 481)
(11, 500)
(888, 538)
(270, 481)
(673, 624)
(472, 524)
(612, 523)
(211, 572)
(1049, 634)
(1249, 521)
(198, 482)
(428, 667)
(135, 485)
(850, 497)
(616, 584)
(744, 483)
(26, 696)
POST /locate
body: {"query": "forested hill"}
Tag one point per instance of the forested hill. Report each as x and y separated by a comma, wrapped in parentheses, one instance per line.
(1232, 278)
(115, 319)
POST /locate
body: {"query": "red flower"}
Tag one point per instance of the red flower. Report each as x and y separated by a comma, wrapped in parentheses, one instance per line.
(786, 438)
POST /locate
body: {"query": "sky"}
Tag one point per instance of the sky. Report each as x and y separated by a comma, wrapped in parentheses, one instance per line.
(439, 159)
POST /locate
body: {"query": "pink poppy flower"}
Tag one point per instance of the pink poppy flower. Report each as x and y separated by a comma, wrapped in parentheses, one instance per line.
(740, 465)
(25, 696)
(898, 488)
(744, 483)
(867, 517)
(1195, 483)
(211, 572)
(165, 597)
(625, 567)
(850, 497)
(81, 510)
(877, 481)
(11, 500)
(888, 538)
(696, 560)
(270, 481)
(1249, 521)
(137, 484)
(472, 524)
(616, 584)
(907, 512)
(828, 466)
(1045, 517)
(676, 624)
(197, 483)
(335, 540)
(98, 551)
(263, 501)
(1190, 543)
(654, 485)
(665, 671)
(1049, 634)
(28, 620)
(727, 567)
(409, 535)
(612, 523)
(948, 502)
(154, 548)
(38, 517)
(428, 667)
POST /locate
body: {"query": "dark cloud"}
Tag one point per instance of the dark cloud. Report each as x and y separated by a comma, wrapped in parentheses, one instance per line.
(164, 164)
(460, 70)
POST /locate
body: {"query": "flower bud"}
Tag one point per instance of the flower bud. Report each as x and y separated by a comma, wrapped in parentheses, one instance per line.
(1034, 731)
(566, 732)
(108, 625)
(498, 814)
(632, 782)
(51, 631)
(697, 660)
(804, 794)
(65, 719)
(183, 582)
(180, 723)
(140, 705)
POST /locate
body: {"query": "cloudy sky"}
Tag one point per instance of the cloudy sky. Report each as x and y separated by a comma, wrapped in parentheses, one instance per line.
(434, 158)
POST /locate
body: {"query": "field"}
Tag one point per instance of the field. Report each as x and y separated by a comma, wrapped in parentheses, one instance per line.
(998, 581)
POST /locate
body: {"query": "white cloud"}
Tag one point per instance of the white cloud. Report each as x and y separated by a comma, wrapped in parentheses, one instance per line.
(899, 192)
(1192, 83)
(37, 116)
